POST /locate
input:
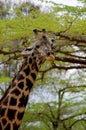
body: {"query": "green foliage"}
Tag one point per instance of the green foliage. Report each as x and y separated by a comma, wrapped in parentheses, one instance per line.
(3, 10)
(84, 1)
(36, 121)
(45, 114)
(4, 79)
(22, 26)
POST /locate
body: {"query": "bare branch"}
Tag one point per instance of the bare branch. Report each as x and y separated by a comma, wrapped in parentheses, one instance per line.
(79, 39)
(10, 58)
(10, 52)
(73, 116)
(60, 68)
(71, 60)
(76, 122)
(72, 55)
(52, 114)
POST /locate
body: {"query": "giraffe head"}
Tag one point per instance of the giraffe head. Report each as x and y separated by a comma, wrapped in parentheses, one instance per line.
(42, 47)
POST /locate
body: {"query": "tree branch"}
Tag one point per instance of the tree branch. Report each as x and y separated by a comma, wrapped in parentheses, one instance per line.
(71, 60)
(60, 68)
(73, 116)
(79, 39)
(76, 122)
(10, 52)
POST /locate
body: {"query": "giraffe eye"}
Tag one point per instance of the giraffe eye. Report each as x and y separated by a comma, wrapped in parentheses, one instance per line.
(52, 40)
(44, 37)
(28, 49)
(37, 46)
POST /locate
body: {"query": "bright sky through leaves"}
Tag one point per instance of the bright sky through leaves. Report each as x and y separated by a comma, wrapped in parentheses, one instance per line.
(37, 2)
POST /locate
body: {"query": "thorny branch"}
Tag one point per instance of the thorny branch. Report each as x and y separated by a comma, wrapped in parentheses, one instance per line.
(15, 57)
(52, 114)
(62, 34)
(54, 66)
(75, 61)
(73, 116)
(9, 52)
(77, 122)
(42, 114)
(72, 60)
(72, 55)
(78, 40)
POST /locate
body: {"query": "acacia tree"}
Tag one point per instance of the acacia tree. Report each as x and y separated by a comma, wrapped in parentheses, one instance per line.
(69, 32)
(67, 111)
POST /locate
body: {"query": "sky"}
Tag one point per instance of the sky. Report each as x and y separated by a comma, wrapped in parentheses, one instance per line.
(64, 2)
(37, 2)
(46, 7)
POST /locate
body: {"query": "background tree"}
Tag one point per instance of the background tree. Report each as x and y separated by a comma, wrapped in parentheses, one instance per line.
(67, 111)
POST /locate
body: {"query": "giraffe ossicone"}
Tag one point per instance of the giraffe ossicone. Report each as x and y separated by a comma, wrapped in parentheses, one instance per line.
(14, 101)
(42, 46)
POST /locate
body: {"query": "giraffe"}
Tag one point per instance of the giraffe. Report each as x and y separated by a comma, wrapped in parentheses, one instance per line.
(14, 101)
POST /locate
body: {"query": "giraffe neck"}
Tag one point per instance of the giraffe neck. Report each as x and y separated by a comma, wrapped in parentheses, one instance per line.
(13, 103)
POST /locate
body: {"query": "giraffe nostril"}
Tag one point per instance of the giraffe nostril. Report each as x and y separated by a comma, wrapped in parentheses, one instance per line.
(44, 37)
(52, 53)
(48, 54)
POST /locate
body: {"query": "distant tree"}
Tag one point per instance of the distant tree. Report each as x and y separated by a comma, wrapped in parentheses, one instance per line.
(68, 112)
(4, 10)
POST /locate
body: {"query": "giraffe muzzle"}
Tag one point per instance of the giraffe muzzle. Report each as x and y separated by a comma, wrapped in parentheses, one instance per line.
(51, 57)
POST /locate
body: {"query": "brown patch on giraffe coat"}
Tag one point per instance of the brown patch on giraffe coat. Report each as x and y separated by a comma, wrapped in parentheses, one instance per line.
(4, 121)
(33, 75)
(0, 126)
(16, 92)
(8, 127)
(27, 70)
(20, 115)
(5, 102)
(34, 66)
(29, 83)
(21, 85)
(13, 101)
(2, 111)
(23, 101)
(20, 77)
(11, 114)
(15, 126)
(30, 60)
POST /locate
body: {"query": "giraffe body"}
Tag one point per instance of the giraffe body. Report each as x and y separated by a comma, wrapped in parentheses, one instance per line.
(14, 101)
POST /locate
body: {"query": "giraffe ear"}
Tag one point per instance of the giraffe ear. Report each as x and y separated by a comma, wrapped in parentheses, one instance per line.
(35, 31)
(44, 34)
(43, 30)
